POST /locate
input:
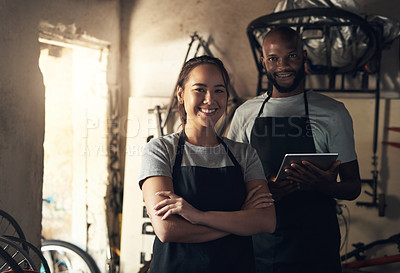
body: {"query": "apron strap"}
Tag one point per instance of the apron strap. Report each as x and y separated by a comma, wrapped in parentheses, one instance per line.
(181, 147)
(269, 96)
(228, 151)
(179, 152)
(263, 104)
(305, 102)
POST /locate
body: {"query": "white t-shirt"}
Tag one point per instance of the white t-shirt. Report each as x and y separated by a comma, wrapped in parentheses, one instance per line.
(159, 154)
(331, 123)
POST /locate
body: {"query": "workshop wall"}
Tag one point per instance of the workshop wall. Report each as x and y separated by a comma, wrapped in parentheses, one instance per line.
(22, 116)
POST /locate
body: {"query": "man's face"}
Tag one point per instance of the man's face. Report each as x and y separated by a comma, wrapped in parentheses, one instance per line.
(284, 63)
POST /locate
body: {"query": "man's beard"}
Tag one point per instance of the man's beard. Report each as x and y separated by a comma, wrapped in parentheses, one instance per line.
(299, 76)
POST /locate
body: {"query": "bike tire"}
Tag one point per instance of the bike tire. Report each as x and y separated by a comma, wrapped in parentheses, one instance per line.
(8, 263)
(39, 263)
(67, 250)
(9, 226)
(18, 253)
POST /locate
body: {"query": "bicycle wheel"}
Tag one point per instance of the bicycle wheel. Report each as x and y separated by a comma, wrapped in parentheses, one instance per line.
(63, 257)
(8, 226)
(18, 254)
(7, 263)
(38, 262)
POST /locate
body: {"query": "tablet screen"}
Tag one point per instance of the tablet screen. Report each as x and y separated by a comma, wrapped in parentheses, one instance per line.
(321, 160)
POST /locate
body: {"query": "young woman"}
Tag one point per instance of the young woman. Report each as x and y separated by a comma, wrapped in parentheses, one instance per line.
(205, 195)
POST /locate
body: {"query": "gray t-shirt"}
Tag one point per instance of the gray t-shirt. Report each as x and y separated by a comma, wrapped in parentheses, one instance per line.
(331, 123)
(159, 155)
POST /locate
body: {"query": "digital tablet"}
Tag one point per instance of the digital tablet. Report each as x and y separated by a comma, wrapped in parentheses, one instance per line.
(321, 160)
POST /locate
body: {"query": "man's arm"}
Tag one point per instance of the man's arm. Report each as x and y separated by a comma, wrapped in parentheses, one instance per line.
(349, 187)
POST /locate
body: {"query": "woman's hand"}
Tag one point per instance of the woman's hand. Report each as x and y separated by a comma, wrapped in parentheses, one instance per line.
(174, 204)
(257, 200)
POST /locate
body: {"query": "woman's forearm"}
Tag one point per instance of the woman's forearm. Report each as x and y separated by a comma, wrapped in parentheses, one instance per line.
(256, 216)
(176, 229)
(243, 222)
(175, 220)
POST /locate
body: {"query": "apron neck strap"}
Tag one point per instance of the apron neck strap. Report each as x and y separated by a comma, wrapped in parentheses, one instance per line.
(305, 102)
(263, 104)
(269, 96)
(179, 150)
(228, 151)
(181, 147)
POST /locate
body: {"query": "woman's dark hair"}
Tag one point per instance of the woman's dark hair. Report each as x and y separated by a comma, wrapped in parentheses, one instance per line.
(188, 67)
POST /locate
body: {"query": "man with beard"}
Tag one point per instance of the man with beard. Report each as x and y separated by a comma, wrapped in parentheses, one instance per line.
(290, 119)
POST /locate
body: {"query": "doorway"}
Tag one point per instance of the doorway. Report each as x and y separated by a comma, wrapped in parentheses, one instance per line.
(75, 148)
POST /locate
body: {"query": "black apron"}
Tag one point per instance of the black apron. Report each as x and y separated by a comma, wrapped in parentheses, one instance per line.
(307, 236)
(216, 189)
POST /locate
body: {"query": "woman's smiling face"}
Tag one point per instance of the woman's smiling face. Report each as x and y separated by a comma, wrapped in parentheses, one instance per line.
(204, 96)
